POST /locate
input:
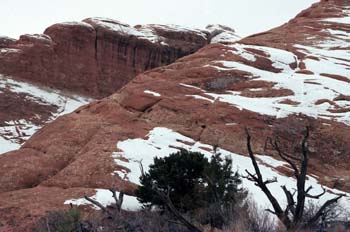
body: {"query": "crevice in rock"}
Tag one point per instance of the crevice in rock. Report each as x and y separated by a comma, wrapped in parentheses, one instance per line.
(134, 57)
(147, 108)
(96, 31)
(204, 127)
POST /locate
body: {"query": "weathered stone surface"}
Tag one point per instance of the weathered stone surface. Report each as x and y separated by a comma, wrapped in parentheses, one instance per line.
(188, 96)
(6, 41)
(95, 57)
(98, 56)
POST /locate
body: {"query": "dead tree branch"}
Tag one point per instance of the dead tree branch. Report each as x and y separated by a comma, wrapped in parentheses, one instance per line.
(99, 205)
(292, 216)
(258, 179)
(118, 200)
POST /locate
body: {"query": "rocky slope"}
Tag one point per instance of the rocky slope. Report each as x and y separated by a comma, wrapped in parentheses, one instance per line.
(276, 83)
(91, 58)
(25, 108)
(98, 56)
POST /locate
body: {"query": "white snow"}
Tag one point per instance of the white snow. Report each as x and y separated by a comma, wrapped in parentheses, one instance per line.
(12, 135)
(105, 198)
(339, 33)
(239, 49)
(161, 142)
(4, 51)
(225, 37)
(15, 132)
(302, 87)
(77, 24)
(117, 26)
(6, 37)
(343, 20)
(280, 59)
(231, 124)
(202, 98)
(337, 56)
(42, 37)
(152, 93)
(6, 146)
(191, 86)
(147, 32)
(178, 28)
(222, 34)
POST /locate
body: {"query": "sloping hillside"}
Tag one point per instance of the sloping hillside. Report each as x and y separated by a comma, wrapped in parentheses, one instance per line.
(275, 83)
(25, 108)
(43, 76)
(98, 56)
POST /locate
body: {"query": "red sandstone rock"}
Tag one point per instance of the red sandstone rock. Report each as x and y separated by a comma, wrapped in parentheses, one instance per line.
(6, 41)
(75, 151)
(98, 56)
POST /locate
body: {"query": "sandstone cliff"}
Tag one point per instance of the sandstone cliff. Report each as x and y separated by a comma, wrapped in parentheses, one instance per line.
(45, 75)
(98, 56)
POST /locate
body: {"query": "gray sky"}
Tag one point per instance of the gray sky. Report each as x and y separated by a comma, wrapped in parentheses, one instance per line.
(245, 16)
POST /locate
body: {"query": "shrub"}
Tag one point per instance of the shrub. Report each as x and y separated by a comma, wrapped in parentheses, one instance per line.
(180, 175)
(61, 221)
(193, 183)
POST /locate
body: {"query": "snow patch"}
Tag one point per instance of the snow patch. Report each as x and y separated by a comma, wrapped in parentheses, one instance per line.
(152, 93)
(161, 142)
(343, 20)
(302, 88)
(41, 37)
(4, 51)
(83, 24)
(240, 50)
(15, 132)
(115, 25)
(105, 198)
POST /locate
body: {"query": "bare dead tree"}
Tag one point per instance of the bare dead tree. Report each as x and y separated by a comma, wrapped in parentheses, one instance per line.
(108, 212)
(293, 215)
(118, 200)
(165, 198)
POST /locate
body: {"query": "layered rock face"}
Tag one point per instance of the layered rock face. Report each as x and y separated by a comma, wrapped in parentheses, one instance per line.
(275, 83)
(91, 58)
(98, 56)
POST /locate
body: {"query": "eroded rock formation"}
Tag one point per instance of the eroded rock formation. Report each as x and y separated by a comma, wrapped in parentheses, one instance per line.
(275, 83)
(98, 56)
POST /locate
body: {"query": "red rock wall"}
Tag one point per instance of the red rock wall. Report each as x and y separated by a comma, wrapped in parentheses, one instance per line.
(89, 59)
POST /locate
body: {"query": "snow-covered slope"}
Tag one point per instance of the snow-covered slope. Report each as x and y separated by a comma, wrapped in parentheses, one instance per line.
(275, 83)
(161, 142)
(28, 108)
(222, 34)
(157, 33)
(312, 77)
(308, 74)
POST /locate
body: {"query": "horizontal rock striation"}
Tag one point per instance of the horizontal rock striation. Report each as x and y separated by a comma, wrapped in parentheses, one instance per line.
(98, 56)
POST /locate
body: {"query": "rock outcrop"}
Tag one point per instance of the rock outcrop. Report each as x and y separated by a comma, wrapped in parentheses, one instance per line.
(94, 58)
(275, 83)
(98, 56)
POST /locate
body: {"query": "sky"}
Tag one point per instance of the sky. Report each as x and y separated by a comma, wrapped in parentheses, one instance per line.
(245, 16)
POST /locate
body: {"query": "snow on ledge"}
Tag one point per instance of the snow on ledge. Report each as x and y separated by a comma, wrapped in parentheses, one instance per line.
(83, 24)
(302, 88)
(105, 197)
(152, 93)
(161, 142)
